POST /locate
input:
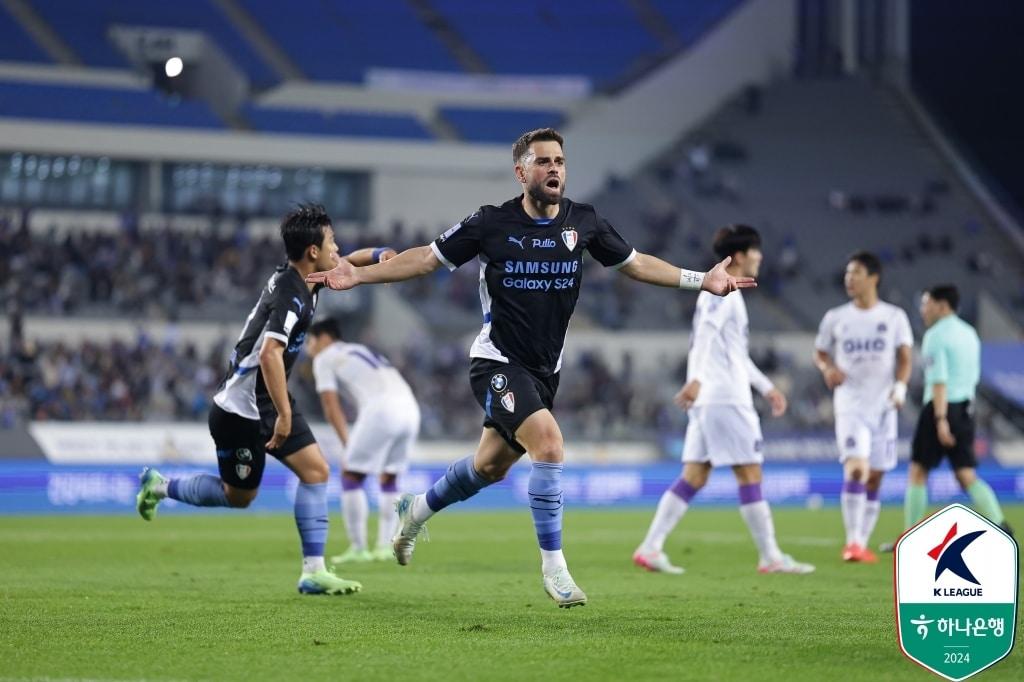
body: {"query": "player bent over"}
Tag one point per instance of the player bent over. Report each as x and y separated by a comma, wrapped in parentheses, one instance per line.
(724, 429)
(380, 441)
(531, 265)
(253, 412)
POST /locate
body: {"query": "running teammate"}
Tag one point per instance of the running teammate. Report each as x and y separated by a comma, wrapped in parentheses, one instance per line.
(379, 442)
(253, 412)
(531, 265)
(724, 429)
(863, 350)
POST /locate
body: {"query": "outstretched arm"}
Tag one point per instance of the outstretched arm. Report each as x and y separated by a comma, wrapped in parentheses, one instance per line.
(653, 270)
(414, 262)
(369, 255)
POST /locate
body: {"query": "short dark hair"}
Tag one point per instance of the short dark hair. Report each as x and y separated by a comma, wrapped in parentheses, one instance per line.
(946, 292)
(328, 326)
(733, 239)
(869, 260)
(303, 228)
(522, 145)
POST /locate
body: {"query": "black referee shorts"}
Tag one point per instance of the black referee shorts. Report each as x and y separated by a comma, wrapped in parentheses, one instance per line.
(926, 449)
(509, 394)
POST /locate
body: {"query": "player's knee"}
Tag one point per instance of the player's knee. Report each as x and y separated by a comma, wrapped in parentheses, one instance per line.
(856, 474)
(549, 449)
(239, 498)
(965, 477)
(493, 472)
(315, 472)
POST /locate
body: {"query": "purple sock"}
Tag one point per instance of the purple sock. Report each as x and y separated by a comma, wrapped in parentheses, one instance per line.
(683, 490)
(854, 487)
(349, 483)
(389, 487)
(750, 493)
(873, 495)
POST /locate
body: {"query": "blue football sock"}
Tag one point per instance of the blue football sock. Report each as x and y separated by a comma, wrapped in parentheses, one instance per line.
(200, 490)
(311, 517)
(459, 483)
(545, 492)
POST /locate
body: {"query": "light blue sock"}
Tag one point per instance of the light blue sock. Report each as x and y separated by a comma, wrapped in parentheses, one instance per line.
(459, 483)
(311, 517)
(200, 490)
(545, 492)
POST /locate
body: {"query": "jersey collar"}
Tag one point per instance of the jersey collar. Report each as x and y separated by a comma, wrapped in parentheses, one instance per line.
(564, 209)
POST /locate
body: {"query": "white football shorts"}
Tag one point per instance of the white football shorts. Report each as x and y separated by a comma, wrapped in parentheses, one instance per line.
(724, 435)
(872, 437)
(382, 441)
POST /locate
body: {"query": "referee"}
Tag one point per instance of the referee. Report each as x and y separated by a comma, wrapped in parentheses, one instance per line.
(952, 367)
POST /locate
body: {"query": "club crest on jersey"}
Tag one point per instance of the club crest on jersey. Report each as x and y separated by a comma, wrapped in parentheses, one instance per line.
(569, 237)
(882, 327)
(499, 382)
(243, 471)
(508, 401)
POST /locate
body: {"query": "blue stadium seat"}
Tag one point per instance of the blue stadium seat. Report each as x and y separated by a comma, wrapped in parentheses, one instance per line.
(600, 40)
(83, 24)
(15, 44)
(498, 125)
(350, 124)
(691, 19)
(101, 105)
(340, 41)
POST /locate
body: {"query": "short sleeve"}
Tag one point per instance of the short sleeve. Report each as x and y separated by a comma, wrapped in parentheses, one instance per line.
(323, 372)
(825, 339)
(608, 247)
(286, 306)
(936, 364)
(459, 243)
(712, 310)
(904, 334)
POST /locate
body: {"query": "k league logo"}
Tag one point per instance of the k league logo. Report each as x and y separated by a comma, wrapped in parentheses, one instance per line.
(956, 585)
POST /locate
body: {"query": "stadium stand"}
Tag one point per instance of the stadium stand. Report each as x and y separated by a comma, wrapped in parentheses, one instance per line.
(351, 37)
(606, 39)
(352, 124)
(15, 43)
(497, 125)
(84, 27)
(102, 105)
(691, 20)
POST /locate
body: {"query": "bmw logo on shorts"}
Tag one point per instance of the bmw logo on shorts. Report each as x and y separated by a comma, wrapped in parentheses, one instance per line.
(243, 455)
(499, 382)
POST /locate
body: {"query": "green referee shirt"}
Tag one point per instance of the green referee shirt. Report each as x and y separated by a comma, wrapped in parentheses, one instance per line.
(952, 356)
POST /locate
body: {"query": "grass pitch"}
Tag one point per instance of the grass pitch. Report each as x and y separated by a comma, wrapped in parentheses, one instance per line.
(213, 597)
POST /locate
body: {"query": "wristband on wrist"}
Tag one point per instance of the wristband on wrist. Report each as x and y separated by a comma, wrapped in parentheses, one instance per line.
(689, 279)
(378, 252)
(899, 392)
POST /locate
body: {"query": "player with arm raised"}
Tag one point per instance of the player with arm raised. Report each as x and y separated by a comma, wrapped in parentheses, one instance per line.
(379, 442)
(253, 413)
(863, 350)
(531, 266)
(724, 429)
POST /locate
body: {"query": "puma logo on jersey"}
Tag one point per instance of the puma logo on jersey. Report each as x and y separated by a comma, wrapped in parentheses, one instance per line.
(517, 242)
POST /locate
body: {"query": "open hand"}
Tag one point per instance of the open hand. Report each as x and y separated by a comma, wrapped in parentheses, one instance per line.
(341, 277)
(720, 282)
(946, 437)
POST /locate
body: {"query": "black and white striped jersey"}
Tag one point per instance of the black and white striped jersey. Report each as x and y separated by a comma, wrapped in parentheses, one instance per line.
(530, 275)
(284, 312)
